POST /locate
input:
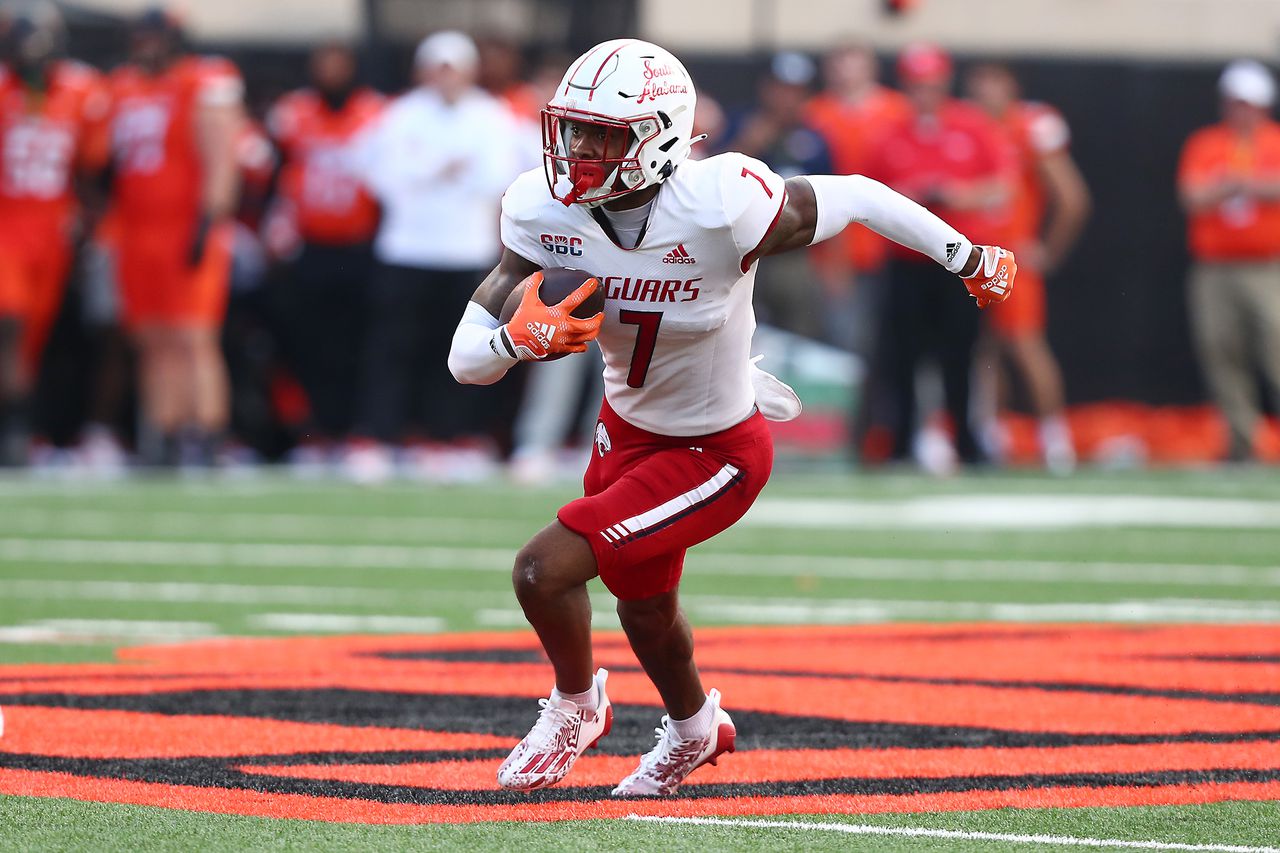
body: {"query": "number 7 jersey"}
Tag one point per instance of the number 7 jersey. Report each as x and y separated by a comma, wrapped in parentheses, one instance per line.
(678, 318)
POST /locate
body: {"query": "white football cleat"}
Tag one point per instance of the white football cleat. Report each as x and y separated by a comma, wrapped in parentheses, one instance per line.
(563, 732)
(668, 764)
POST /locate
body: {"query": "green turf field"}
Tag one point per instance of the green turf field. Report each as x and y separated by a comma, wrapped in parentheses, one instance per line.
(86, 568)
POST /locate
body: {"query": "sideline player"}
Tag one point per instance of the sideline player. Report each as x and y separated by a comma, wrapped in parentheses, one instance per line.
(682, 447)
(175, 127)
(51, 131)
(1048, 181)
(336, 219)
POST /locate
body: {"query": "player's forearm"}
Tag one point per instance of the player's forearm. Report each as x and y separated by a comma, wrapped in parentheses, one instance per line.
(1062, 232)
(845, 199)
(1196, 198)
(1070, 203)
(217, 128)
(474, 359)
(1266, 189)
(221, 190)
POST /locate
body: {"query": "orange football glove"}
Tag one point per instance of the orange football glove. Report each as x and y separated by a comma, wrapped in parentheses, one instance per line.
(536, 331)
(992, 281)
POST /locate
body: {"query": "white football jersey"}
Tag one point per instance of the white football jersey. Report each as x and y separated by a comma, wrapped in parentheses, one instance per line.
(678, 318)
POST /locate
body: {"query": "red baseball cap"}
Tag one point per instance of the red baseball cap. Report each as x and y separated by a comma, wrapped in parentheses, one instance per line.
(923, 62)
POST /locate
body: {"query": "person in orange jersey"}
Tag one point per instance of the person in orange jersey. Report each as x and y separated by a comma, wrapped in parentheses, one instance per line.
(335, 220)
(851, 112)
(1229, 185)
(51, 131)
(175, 127)
(1049, 182)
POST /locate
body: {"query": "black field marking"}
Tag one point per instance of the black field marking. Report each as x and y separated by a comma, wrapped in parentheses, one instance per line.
(222, 773)
(633, 724)
(467, 655)
(1272, 659)
(1250, 698)
(393, 756)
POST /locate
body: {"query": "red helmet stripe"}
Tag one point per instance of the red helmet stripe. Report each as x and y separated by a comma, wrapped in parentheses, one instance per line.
(569, 78)
(596, 79)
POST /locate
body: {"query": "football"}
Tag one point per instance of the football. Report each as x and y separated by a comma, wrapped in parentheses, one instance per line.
(557, 283)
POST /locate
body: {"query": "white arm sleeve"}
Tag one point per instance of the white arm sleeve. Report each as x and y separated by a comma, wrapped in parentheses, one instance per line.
(474, 358)
(843, 199)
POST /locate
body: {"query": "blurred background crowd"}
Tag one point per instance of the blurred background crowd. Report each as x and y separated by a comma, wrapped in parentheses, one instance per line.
(237, 253)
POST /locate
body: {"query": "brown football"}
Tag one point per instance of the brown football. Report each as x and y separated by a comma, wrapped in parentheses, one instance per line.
(557, 283)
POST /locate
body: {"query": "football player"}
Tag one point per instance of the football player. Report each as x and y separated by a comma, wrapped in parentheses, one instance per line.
(51, 131)
(682, 445)
(175, 128)
(1049, 182)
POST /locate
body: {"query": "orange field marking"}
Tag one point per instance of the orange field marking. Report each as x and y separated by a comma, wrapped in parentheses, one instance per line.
(894, 719)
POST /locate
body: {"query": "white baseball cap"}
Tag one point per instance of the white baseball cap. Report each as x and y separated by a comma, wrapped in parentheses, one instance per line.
(1248, 81)
(447, 47)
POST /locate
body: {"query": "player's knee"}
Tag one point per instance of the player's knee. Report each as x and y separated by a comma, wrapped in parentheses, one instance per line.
(533, 575)
(554, 561)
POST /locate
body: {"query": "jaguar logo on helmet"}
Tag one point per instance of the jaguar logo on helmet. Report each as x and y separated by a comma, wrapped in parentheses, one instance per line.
(642, 99)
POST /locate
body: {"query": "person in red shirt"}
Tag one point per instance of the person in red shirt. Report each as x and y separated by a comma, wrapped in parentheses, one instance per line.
(1229, 185)
(175, 128)
(1048, 182)
(948, 156)
(51, 131)
(335, 220)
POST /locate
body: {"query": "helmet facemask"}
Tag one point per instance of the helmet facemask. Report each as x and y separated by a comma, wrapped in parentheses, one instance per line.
(594, 180)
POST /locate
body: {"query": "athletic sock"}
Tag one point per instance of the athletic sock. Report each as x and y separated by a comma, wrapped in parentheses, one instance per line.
(587, 700)
(1054, 432)
(699, 725)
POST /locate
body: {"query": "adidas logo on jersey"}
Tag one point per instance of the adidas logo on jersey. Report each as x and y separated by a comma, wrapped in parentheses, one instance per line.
(679, 255)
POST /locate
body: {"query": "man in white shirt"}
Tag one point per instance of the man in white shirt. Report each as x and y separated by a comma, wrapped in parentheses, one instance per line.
(681, 447)
(437, 161)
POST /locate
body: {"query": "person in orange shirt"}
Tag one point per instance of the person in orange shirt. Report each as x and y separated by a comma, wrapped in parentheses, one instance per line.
(175, 128)
(850, 113)
(1048, 180)
(51, 132)
(335, 219)
(1229, 185)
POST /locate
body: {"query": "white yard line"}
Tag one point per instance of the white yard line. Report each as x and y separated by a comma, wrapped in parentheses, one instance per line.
(707, 608)
(189, 592)
(494, 617)
(256, 554)
(186, 592)
(1015, 512)
(104, 630)
(953, 834)
(137, 552)
(270, 525)
(341, 623)
(870, 611)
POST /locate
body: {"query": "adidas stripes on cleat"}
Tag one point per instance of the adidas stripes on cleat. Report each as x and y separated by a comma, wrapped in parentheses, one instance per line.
(563, 732)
